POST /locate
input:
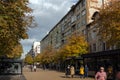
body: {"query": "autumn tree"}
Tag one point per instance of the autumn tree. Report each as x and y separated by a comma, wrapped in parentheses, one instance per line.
(48, 55)
(109, 23)
(38, 58)
(28, 59)
(16, 52)
(76, 46)
(15, 18)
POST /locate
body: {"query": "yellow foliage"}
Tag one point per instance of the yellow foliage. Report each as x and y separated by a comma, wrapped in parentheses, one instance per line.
(14, 24)
(16, 52)
(29, 59)
(76, 46)
(48, 55)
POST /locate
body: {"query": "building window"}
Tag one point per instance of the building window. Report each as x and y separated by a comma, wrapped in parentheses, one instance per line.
(83, 3)
(73, 19)
(79, 25)
(90, 48)
(63, 41)
(83, 12)
(69, 24)
(83, 22)
(104, 46)
(84, 32)
(57, 38)
(63, 28)
(77, 9)
(73, 28)
(78, 16)
(94, 47)
(63, 35)
(67, 33)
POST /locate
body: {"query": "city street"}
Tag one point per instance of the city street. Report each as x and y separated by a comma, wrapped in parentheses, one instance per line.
(47, 75)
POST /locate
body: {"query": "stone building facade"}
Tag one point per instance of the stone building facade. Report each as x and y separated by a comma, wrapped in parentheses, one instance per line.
(75, 21)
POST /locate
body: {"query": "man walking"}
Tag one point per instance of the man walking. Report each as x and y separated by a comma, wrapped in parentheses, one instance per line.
(86, 71)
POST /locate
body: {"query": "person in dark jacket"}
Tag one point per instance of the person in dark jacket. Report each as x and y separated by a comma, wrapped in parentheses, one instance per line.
(67, 71)
(86, 71)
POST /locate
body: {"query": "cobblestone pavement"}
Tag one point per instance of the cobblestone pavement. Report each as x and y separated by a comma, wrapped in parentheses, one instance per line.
(48, 75)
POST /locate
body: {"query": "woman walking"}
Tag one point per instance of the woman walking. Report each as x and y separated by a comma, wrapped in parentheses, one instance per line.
(72, 71)
(101, 75)
(82, 71)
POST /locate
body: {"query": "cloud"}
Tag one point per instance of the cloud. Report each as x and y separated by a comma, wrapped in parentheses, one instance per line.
(28, 42)
(47, 13)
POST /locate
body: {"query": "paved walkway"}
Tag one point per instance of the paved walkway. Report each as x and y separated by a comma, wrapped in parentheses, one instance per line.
(12, 77)
(48, 75)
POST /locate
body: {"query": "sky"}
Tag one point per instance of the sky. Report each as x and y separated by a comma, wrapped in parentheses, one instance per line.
(47, 13)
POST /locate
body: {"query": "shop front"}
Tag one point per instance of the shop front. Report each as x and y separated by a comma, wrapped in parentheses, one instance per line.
(74, 61)
(110, 60)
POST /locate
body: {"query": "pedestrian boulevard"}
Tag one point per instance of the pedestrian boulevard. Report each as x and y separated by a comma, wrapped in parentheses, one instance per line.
(48, 75)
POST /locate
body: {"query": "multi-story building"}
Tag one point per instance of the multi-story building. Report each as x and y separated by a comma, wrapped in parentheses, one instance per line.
(74, 21)
(36, 48)
(96, 44)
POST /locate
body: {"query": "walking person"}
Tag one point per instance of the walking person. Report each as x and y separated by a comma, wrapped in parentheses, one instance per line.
(81, 71)
(86, 71)
(67, 71)
(101, 75)
(118, 75)
(35, 68)
(110, 73)
(31, 67)
(44, 67)
(72, 71)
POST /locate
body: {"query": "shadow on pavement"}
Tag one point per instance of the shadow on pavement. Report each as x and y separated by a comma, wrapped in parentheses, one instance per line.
(11, 77)
(3, 77)
(63, 76)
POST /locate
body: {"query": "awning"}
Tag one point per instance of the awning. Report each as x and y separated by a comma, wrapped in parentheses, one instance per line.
(102, 53)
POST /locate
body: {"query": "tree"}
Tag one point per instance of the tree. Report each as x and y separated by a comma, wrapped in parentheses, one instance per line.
(29, 59)
(16, 52)
(38, 58)
(15, 18)
(109, 23)
(76, 46)
(48, 55)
